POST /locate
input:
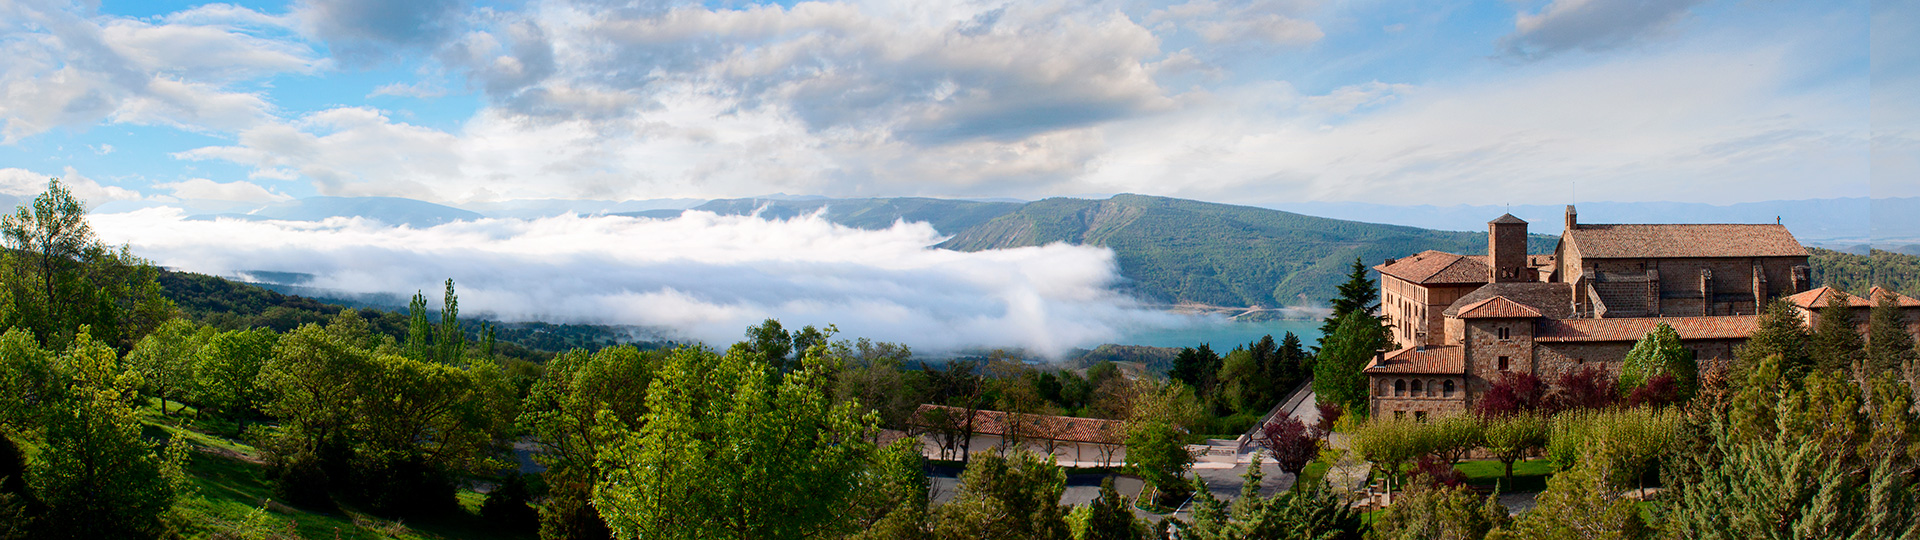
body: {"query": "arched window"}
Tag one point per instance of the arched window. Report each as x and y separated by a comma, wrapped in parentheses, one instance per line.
(1399, 387)
(1446, 389)
(1416, 387)
(1431, 388)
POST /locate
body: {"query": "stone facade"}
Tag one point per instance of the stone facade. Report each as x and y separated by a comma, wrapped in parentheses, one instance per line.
(1462, 320)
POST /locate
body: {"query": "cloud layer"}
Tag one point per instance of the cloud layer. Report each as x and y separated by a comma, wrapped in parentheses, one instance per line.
(703, 276)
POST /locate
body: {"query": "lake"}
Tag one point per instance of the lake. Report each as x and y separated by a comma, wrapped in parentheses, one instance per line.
(1223, 335)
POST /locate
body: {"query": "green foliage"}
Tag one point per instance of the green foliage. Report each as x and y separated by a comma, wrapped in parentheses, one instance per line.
(716, 457)
(1392, 443)
(1660, 353)
(225, 370)
(1431, 512)
(1006, 497)
(396, 453)
(1889, 345)
(1835, 343)
(1513, 437)
(57, 277)
(1359, 294)
(1579, 504)
(1786, 486)
(1312, 513)
(165, 359)
(563, 406)
(1157, 452)
(1899, 272)
(1337, 377)
(1626, 442)
(1109, 517)
(1779, 334)
(891, 502)
(95, 474)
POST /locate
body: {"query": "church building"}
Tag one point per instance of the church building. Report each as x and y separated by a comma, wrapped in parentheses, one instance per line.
(1462, 320)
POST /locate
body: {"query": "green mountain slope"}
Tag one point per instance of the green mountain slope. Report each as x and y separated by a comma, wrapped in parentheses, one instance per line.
(1177, 250)
(1170, 250)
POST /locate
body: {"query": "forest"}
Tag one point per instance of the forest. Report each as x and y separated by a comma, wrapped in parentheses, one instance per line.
(136, 411)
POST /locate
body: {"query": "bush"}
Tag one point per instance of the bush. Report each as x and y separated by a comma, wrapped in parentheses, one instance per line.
(507, 505)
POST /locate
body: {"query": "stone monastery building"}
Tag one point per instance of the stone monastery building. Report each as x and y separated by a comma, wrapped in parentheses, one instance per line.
(1462, 319)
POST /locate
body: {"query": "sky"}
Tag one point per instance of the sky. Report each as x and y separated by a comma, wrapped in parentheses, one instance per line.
(1260, 102)
(163, 106)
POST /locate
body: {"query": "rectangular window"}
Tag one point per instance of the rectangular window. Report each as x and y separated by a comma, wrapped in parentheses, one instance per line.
(1503, 332)
(1420, 416)
(1397, 415)
(1503, 363)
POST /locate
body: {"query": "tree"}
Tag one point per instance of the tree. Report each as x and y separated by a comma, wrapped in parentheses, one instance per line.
(1359, 294)
(1889, 346)
(1006, 497)
(225, 370)
(1659, 353)
(449, 341)
(1577, 505)
(1454, 436)
(1835, 343)
(1513, 437)
(1515, 392)
(1110, 517)
(1196, 367)
(1291, 443)
(1343, 354)
(1157, 451)
(96, 476)
(718, 453)
(1778, 332)
(1392, 443)
(1313, 513)
(1586, 388)
(891, 500)
(1785, 487)
(165, 360)
(771, 343)
(60, 277)
(1436, 512)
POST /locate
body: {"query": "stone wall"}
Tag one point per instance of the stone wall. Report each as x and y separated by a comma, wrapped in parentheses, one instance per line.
(1431, 398)
(1485, 346)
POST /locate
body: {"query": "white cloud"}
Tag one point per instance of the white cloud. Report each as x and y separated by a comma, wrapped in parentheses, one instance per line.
(237, 191)
(421, 89)
(67, 68)
(704, 276)
(26, 185)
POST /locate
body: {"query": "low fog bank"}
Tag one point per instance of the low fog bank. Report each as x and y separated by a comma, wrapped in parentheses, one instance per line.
(705, 276)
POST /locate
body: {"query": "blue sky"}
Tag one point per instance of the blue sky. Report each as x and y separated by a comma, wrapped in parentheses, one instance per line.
(1442, 102)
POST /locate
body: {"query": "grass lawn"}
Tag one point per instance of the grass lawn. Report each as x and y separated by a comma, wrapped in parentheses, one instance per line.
(1529, 476)
(231, 498)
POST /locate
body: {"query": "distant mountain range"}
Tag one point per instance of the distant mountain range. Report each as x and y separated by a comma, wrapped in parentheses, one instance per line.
(1174, 250)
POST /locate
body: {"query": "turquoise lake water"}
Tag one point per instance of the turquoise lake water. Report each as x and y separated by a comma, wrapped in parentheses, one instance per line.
(1223, 335)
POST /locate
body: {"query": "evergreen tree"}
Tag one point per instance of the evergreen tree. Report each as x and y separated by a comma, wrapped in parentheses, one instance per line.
(1359, 294)
(1438, 512)
(1006, 497)
(1836, 338)
(1779, 333)
(1343, 354)
(1889, 345)
(1578, 505)
(419, 332)
(1111, 516)
(1198, 368)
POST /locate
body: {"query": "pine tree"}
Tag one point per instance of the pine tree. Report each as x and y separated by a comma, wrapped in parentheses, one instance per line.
(1111, 517)
(1889, 346)
(1360, 293)
(1343, 354)
(1779, 333)
(1836, 338)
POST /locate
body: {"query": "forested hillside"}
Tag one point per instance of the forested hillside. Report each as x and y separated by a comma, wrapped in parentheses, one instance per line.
(1859, 273)
(1170, 250)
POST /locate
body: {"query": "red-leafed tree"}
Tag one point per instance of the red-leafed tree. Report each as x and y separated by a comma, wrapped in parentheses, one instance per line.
(1659, 391)
(1514, 393)
(1290, 443)
(1585, 388)
(1330, 414)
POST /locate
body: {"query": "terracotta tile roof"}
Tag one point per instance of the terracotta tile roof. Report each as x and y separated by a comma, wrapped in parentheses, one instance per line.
(1684, 240)
(1065, 428)
(1448, 359)
(1552, 300)
(1899, 299)
(1498, 307)
(1632, 329)
(1439, 267)
(1508, 219)
(1818, 298)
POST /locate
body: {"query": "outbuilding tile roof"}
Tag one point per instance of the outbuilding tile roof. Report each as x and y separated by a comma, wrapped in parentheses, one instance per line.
(1554, 300)
(1039, 426)
(1632, 329)
(1448, 360)
(1898, 299)
(1498, 307)
(1818, 298)
(1439, 268)
(1652, 241)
